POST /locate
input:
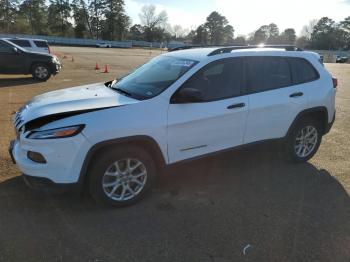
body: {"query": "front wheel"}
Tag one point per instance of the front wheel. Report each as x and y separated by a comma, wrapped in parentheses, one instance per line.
(121, 177)
(41, 72)
(304, 141)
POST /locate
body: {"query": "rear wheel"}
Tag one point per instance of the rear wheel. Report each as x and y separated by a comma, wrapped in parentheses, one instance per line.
(304, 140)
(41, 72)
(121, 177)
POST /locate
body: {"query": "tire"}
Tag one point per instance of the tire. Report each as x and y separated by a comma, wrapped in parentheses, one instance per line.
(110, 187)
(41, 72)
(304, 140)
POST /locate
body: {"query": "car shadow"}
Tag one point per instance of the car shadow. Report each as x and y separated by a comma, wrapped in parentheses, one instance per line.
(8, 82)
(205, 210)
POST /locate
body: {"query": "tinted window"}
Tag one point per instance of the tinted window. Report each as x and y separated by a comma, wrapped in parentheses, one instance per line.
(218, 80)
(40, 43)
(266, 73)
(22, 43)
(302, 70)
(5, 48)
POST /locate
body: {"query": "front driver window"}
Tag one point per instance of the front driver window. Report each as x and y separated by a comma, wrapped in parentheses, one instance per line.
(218, 80)
(5, 48)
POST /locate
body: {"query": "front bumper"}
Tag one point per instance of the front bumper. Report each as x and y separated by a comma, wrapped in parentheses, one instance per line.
(64, 158)
(48, 186)
(55, 68)
(12, 143)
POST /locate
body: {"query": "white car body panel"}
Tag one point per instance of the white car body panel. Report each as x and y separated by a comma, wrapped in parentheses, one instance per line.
(272, 112)
(64, 160)
(201, 128)
(73, 99)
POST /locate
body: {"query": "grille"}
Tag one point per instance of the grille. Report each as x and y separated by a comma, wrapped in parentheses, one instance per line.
(18, 120)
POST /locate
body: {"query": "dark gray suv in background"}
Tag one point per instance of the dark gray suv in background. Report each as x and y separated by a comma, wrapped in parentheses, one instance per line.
(16, 60)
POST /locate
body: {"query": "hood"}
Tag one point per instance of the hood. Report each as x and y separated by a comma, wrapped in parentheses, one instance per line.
(39, 55)
(70, 100)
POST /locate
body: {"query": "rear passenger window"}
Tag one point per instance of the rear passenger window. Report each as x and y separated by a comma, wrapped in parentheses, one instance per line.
(218, 80)
(40, 43)
(22, 43)
(302, 71)
(267, 73)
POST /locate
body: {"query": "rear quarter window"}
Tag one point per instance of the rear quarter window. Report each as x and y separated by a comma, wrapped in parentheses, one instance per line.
(41, 43)
(21, 43)
(302, 70)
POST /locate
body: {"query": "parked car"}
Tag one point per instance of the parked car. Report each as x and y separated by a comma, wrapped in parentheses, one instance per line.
(16, 60)
(33, 45)
(342, 59)
(321, 58)
(105, 45)
(115, 138)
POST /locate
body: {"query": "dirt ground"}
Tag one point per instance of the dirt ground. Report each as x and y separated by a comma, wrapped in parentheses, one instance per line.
(207, 210)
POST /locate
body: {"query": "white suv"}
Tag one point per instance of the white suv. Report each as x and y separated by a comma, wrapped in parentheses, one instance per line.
(105, 45)
(32, 45)
(114, 138)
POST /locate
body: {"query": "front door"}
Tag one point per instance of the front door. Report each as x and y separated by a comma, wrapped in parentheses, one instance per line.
(214, 123)
(10, 60)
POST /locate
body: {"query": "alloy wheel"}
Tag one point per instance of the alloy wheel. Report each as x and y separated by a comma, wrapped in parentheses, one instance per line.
(306, 141)
(41, 72)
(124, 179)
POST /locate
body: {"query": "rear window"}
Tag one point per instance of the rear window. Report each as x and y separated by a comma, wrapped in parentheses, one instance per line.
(267, 73)
(41, 43)
(22, 43)
(302, 71)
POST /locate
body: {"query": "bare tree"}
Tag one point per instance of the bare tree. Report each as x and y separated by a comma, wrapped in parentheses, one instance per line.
(307, 29)
(178, 31)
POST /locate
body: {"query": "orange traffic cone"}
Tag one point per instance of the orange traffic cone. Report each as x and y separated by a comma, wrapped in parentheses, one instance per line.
(106, 69)
(97, 66)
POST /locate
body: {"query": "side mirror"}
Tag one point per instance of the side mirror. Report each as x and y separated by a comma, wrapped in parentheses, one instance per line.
(187, 95)
(14, 50)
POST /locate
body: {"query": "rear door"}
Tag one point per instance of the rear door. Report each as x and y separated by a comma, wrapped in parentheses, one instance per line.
(216, 122)
(274, 99)
(23, 43)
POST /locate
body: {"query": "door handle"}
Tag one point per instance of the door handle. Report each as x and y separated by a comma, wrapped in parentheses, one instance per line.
(297, 94)
(239, 105)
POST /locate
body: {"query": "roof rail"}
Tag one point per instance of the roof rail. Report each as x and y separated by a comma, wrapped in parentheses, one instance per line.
(183, 48)
(228, 49)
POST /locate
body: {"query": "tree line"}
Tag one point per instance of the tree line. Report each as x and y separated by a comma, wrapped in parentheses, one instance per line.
(322, 34)
(107, 19)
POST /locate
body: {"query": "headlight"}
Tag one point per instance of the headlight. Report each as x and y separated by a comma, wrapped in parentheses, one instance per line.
(55, 59)
(56, 133)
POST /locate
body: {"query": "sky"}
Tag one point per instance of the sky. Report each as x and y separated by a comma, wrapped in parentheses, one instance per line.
(245, 16)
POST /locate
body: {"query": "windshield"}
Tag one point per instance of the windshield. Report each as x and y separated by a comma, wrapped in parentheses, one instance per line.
(153, 77)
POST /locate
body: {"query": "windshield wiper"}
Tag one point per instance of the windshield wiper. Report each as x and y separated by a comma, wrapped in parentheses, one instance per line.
(122, 91)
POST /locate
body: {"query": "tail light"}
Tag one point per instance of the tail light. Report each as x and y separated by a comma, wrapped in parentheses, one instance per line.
(335, 82)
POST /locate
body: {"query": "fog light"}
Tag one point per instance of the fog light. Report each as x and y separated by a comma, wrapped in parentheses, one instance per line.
(36, 157)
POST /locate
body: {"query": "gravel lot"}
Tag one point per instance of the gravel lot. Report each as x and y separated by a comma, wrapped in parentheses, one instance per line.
(207, 210)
